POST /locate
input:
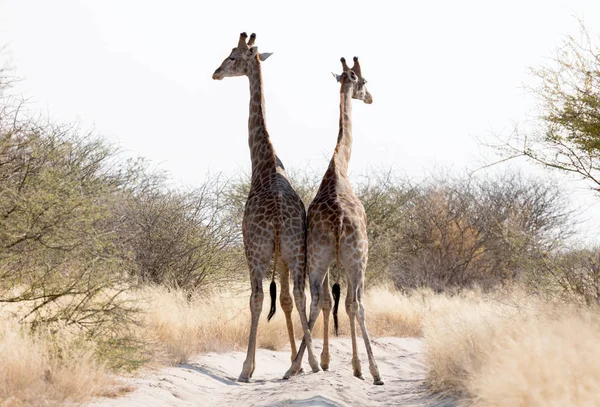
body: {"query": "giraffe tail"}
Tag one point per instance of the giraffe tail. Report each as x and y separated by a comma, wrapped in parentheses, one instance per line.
(273, 286)
(335, 290)
(273, 292)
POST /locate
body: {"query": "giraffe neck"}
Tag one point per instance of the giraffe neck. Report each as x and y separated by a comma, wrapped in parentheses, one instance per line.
(262, 153)
(343, 149)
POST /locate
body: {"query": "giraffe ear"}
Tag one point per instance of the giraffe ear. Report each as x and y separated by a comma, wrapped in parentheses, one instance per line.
(264, 55)
(337, 77)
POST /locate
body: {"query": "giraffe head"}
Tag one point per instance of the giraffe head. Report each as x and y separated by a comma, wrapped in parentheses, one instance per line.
(352, 77)
(236, 64)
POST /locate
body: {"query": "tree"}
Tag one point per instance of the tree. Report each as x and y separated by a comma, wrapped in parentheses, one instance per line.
(568, 92)
(56, 255)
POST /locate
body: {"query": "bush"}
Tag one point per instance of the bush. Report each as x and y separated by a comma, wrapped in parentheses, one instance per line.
(572, 275)
(387, 200)
(460, 232)
(180, 238)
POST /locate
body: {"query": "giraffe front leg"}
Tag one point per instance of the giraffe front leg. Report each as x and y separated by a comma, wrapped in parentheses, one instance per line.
(256, 303)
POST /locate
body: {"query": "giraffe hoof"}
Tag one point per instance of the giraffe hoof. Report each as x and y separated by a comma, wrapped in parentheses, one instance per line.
(378, 382)
(359, 376)
(325, 367)
(314, 365)
(243, 379)
(291, 372)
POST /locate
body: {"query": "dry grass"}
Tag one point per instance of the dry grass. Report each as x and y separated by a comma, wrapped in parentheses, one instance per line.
(516, 351)
(501, 350)
(216, 322)
(45, 370)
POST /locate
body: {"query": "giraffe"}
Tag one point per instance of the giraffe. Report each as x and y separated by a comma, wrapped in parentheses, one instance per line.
(274, 223)
(337, 230)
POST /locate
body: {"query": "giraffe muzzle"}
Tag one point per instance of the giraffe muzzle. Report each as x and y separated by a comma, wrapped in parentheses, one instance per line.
(217, 75)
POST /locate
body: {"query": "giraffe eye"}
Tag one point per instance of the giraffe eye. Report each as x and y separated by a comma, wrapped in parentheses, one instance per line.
(231, 58)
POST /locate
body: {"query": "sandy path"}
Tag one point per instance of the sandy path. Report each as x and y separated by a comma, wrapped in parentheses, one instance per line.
(209, 380)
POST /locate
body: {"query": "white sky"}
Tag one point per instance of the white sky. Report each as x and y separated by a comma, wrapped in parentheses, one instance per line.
(442, 75)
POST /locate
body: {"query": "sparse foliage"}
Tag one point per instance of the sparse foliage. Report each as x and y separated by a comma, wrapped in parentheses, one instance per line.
(181, 238)
(386, 199)
(568, 135)
(468, 231)
(573, 275)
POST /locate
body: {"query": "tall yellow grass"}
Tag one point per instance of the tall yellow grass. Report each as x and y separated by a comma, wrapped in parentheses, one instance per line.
(45, 369)
(516, 351)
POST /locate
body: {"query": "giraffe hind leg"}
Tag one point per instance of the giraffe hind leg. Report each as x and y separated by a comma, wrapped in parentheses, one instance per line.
(317, 275)
(300, 299)
(325, 357)
(351, 310)
(287, 305)
(363, 327)
(256, 301)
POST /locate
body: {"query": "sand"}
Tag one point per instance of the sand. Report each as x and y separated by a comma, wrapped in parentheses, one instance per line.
(210, 380)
